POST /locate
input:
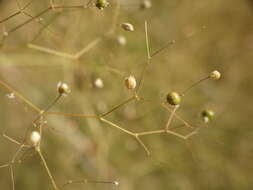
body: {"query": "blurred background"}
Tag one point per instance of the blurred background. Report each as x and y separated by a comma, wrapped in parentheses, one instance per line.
(209, 35)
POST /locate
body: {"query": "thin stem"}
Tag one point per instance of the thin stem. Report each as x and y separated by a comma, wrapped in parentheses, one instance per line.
(177, 116)
(164, 105)
(148, 58)
(87, 48)
(16, 154)
(162, 48)
(193, 85)
(5, 166)
(12, 177)
(11, 139)
(151, 132)
(116, 126)
(47, 169)
(143, 145)
(170, 118)
(63, 54)
(47, 108)
(19, 96)
(29, 20)
(51, 51)
(115, 17)
(147, 40)
(71, 114)
(86, 181)
(118, 106)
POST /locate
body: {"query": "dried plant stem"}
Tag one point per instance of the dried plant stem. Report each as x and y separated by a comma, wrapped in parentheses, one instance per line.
(193, 85)
(118, 106)
(116, 126)
(75, 56)
(170, 118)
(20, 96)
(86, 181)
(12, 177)
(148, 58)
(71, 114)
(47, 169)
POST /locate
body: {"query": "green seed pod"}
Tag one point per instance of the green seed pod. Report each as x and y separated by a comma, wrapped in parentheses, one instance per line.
(173, 98)
(207, 115)
(101, 4)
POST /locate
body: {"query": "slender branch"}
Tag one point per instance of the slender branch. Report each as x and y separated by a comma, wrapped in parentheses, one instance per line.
(71, 114)
(12, 177)
(170, 118)
(194, 84)
(47, 169)
(118, 106)
(116, 126)
(5, 85)
(143, 145)
(151, 132)
(86, 181)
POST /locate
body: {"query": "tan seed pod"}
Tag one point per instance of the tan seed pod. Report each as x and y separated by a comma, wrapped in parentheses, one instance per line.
(130, 82)
(35, 138)
(63, 88)
(146, 4)
(215, 75)
(121, 40)
(98, 83)
(127, 27)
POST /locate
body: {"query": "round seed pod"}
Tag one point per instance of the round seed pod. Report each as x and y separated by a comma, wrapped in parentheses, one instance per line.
(98, 83)
(63, 88)
(215, 75)
(207, 115)
(173, 98)
(146, 4)
(101, 4)
(35, 138)
(127, 27)
(121, 40)
(130, 82)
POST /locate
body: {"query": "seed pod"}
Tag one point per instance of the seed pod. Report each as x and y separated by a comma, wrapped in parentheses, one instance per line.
(130, 82)
(127, 27)
(63, 88)
(101, 4)
(121, 40)
(215, 75)
(146, 4)
(98, 83)
(35, 138)
(207, 115)
(173, 98)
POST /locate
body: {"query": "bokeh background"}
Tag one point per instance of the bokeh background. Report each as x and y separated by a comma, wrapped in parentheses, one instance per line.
(218, 157)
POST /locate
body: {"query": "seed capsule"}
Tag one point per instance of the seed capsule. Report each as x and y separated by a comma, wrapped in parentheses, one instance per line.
(130, 82)
(215, 75)
(121, 40)
(173, 98)
(98, 83)
(35, 138)
(101, 4)
(146, 4)
(63, 88)
(127, 27)
(207, 115)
